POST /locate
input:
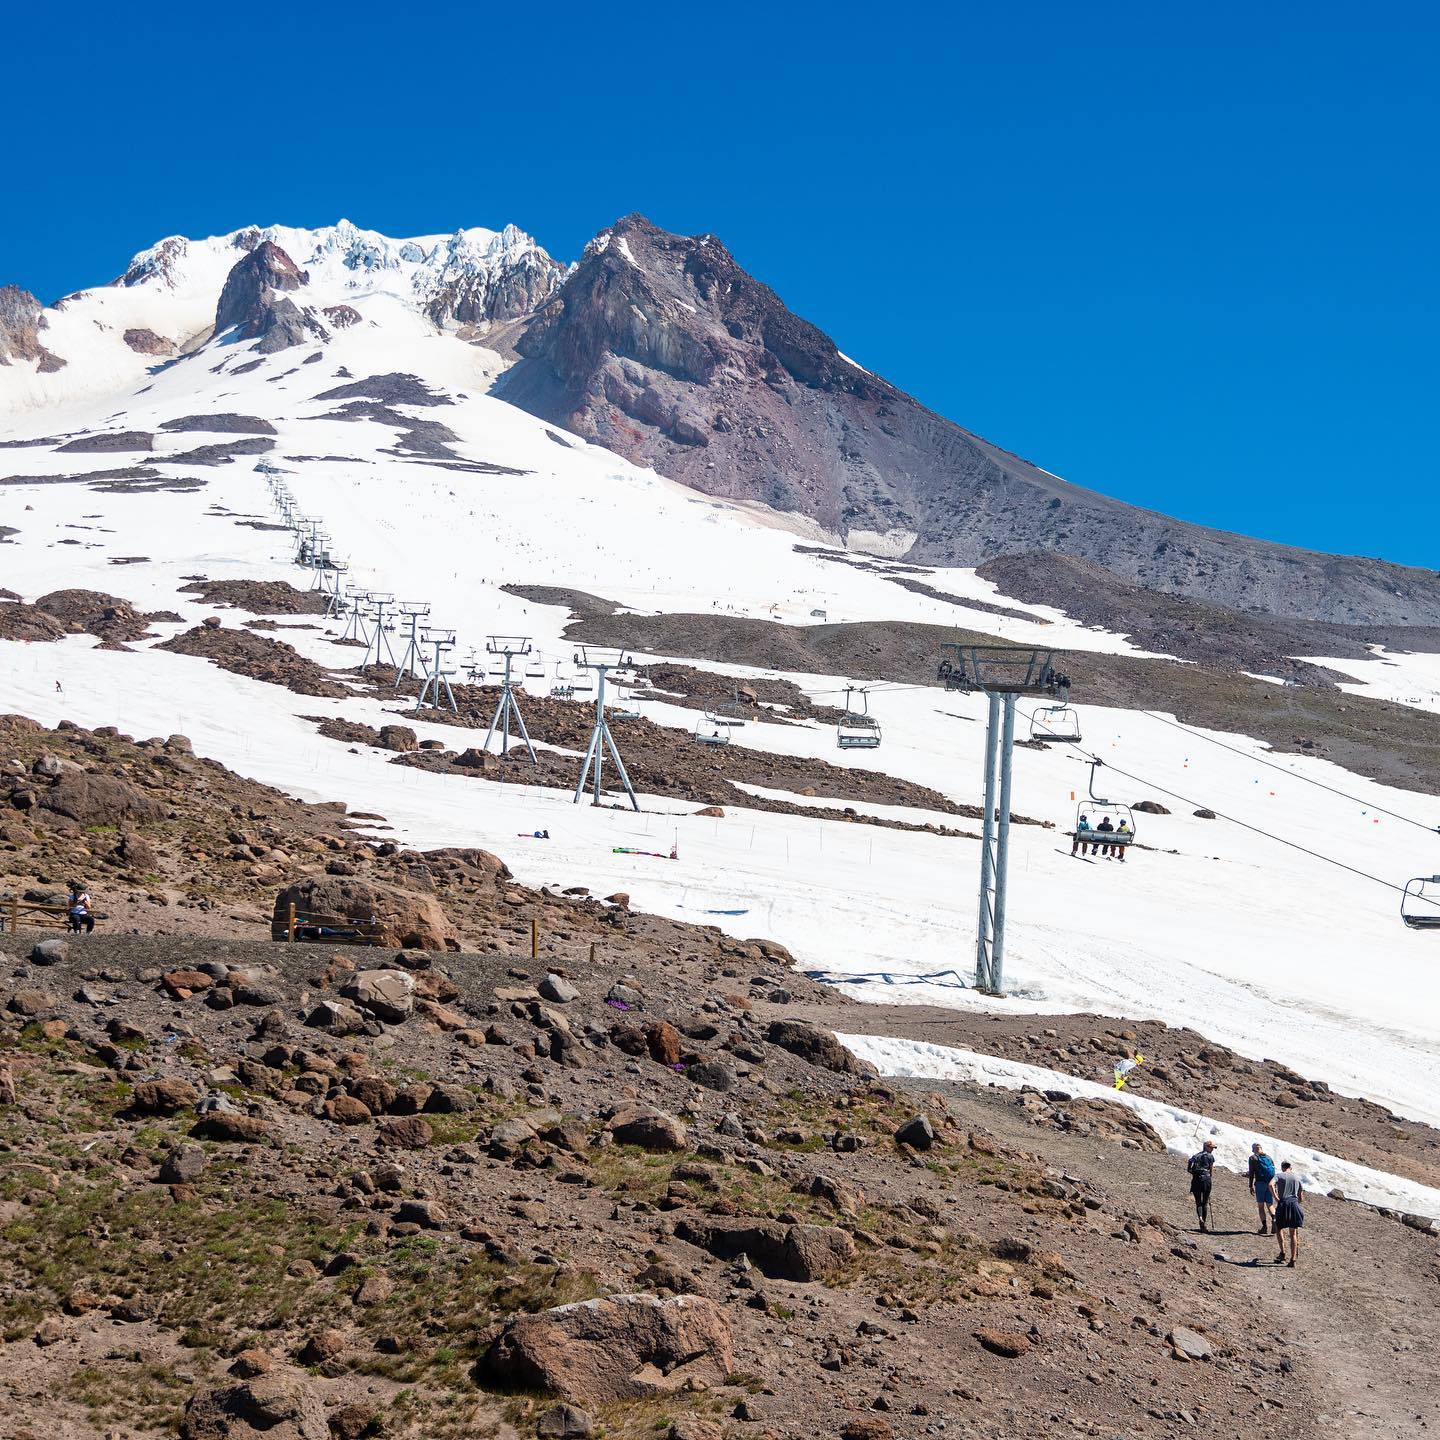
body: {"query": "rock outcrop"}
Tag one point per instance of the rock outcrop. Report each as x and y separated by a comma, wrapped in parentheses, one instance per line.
(618, 1348)
(253, 308)
(22, 317)
(663, 349)
(409, 919)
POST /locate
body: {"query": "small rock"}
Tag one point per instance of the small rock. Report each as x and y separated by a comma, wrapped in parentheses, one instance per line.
(47, 952)
(562, 992)
(564, 1422)
(1005, 1343)
(917, 1133)
(1190, 1344)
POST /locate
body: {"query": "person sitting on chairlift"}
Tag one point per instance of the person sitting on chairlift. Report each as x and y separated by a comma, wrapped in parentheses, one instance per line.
(1126, 832)
(1082, 834)
(1105, 829)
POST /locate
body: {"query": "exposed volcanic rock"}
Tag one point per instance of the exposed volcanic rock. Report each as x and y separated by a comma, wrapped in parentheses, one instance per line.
(341, 316)
(259, 597)
(510, 278)
(242, 652)
(73, 612)
(106, 442)
(222, 424)
(147, 342)
(663, 349)
(251, 304)
(22, 317)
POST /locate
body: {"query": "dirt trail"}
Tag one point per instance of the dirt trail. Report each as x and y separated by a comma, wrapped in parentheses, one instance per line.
(1355, 1324)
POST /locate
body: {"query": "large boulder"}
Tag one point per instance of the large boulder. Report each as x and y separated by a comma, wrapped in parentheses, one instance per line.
(276, 1405)
(387, 994)
(622, 1347)
(817, 1046)
(648, 1128)
(802, 1253)
(409, 919)
(98, 800)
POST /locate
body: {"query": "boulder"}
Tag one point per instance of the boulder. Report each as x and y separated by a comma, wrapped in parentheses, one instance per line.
(1190, 1344)
(1149, 807)
(564, 1422)
(89, 799)
(336, 1018)
(163, 1097)
(916, 1132)
(663, 1040)
(712, 1074)
(558, 989)
(47, 952)
(802, 1253)
(389, 995)
(409, 919)
(184, 983)
(347, 1110)
(817, 1046)
(407, 1132)
(225, 1125)
(396, 737)
(648, 1128)
(183, 1165)
(622, 1347)
(277, 1405)
(1008, 1344)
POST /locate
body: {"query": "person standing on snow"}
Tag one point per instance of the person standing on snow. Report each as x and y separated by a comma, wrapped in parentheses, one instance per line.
(1201, 1168)
(1259, 1175)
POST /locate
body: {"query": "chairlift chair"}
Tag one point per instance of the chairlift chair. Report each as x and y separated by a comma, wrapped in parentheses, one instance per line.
(1057, 723)
(1420, 903)
(1096, 810)
(707, 732)
(857, 729)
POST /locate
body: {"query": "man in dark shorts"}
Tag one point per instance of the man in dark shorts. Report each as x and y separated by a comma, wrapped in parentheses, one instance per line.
(1288, 1193)
(1201, 1168)
(1261, 1173)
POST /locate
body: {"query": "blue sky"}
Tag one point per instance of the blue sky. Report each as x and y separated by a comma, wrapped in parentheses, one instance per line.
(1182, 254)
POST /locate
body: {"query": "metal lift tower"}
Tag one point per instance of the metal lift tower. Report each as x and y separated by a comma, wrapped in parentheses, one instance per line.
(437, 678)
(1004, 673)
(509, 646)
(412, 660)
(601, 662)
(380, 637)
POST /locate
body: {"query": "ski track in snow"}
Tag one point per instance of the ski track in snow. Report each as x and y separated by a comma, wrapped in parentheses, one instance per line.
(1255, 946)
(1183, 1131)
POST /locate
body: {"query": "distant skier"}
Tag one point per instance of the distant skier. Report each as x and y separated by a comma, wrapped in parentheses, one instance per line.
(1260, 1173)
(1202, 1177)
(1288, 1193)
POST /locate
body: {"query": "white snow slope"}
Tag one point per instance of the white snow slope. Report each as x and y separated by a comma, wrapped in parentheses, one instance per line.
(1254, 944)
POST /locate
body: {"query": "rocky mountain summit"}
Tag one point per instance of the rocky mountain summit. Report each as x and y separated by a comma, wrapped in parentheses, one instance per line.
(662, 348)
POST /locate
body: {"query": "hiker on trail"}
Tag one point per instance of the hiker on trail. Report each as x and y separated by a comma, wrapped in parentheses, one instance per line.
(79, 909)
(1261, 1172)
(1201, 1168)
(1289, 1217)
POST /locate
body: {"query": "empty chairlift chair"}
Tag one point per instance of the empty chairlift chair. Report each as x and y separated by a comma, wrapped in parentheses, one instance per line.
(857, 729)
(1056, 723)
(1420, 903)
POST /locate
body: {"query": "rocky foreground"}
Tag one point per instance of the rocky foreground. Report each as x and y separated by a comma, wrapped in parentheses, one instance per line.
(622, 1185)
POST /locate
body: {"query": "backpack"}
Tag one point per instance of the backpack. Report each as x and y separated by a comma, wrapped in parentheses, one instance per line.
(1264, 1170)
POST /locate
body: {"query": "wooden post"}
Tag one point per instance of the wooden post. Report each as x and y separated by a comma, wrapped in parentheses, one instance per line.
(290, 924)
(14, 914)
(534, 938)
(592, 952)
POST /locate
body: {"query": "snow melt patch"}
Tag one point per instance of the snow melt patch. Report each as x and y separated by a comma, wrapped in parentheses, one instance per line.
(1183, 1131)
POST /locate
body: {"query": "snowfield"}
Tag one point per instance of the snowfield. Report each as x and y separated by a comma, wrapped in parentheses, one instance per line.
(1257, 945)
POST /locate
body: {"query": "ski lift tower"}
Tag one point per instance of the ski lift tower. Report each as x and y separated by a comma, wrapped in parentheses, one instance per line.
(380, 601)
(354, 606)
(412, 660)
(509, 646)
(437, 678)
(602, 662)
(1004, 673)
